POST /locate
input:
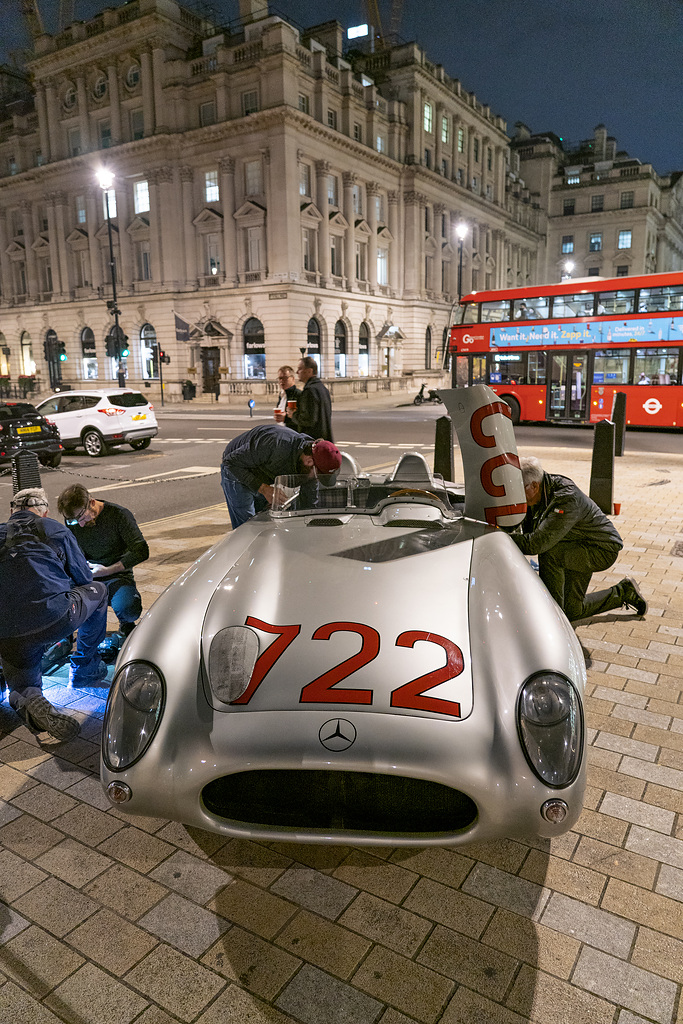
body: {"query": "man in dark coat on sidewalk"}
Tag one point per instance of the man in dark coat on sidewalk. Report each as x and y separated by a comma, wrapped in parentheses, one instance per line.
(573, 539)
(313, 414)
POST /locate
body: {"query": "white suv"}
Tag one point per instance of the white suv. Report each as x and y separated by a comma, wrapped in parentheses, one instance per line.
(100, 419)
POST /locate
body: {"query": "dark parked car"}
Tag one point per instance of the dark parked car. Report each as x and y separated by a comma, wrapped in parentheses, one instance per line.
(22, 428)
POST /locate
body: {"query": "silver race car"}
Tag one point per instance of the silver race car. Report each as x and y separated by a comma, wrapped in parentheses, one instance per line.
(377, 664)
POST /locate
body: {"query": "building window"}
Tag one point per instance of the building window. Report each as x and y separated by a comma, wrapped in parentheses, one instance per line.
(249, 102)
(361, 261)
(74, 141)
(99, 89)
(427, 117)
(428, 158)
(594, 271)
(595, 242)
(313, 341)
(70, 97)
(358, 200)
(104, 133)
(332, 190)
(109, 203)
(207, 113)
(133, 76)
(573, 179)
(253, 249)
(340, 349)
(567, 243)
(336, 256)
(211, 192)
(12, 166)
(381, 144)
(253, 184)
(627, 200)
(363, 350)
(444, 168)
(212, 254)
(597, 204)
(144, 261)
(476, 151)
(38, 158)
(304, 103)
(80, 210)
(445, 129)
(141, 196)
(622, 271)
(309, 248)
(88, 354)
(358, 132)
(624, 241)
(461, 140)
(137, 124)
(332, 119)
(254, 348)
(304, 179)
(379, 209)
(43, 224)
(383, 267)
(568, 207)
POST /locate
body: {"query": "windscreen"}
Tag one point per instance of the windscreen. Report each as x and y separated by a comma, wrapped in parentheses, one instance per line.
(128, 399)
(19, 411)
(303, 494)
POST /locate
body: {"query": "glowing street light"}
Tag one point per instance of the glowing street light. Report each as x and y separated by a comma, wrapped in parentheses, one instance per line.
(461, 230)
(567, 270)
(105, 180)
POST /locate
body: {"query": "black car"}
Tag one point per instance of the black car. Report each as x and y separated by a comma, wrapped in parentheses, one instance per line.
(22, 429)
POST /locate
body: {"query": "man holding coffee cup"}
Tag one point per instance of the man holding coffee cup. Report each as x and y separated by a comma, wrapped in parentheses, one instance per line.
(289, 394)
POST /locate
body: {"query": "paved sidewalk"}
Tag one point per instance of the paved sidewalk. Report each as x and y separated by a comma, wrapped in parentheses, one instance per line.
(110, 920)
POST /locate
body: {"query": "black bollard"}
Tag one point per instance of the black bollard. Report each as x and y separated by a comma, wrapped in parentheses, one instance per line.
(25, 471)
(443, 448)
(602, 466)
(619, 420)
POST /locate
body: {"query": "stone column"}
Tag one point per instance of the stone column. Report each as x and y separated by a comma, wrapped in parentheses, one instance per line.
(43, 132)
(31, 269)
(222, 97)
(147, 92)
(438, 148)
(395, 248)
(349, 180)
(114, 105)
(92, 197)
(54, 248)
(455, 156)
(189, 237)
(158, 78)
(471, 166)
(83, 120)
(322, 169)
(372, 193)
(439, 210)
(412, 247)
(170, 241)
(6, 290)
(154, 221)
(499, 167)
(64, 269)
(123, 219)
(499, 257)
(226, 170)
(53, 125)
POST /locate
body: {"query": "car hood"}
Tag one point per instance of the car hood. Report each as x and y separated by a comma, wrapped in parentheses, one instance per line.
(323, 601)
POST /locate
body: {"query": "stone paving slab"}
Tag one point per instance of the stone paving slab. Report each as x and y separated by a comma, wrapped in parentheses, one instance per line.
(110, 920)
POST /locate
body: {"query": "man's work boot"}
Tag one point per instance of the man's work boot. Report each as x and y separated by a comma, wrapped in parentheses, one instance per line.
(40, 716)
(89, 674)
(633, 597)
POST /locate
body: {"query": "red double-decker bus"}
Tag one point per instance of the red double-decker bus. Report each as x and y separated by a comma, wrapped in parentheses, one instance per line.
(559, 352)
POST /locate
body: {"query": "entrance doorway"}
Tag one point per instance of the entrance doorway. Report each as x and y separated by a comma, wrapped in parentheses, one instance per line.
(569, 394)
(211, 361)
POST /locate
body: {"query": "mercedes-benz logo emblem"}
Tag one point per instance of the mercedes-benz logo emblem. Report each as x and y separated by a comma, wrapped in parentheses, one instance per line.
(337, 734)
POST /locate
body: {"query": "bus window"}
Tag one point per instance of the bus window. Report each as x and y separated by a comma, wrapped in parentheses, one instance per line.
(462, 371)
(495, 312)
(660, 300)
(470, 313)
(611, 366)
(531, 309)
(536, 367)
(573, 305)
(657, 365)
(478, 369)
(507, 368)
(615, 302)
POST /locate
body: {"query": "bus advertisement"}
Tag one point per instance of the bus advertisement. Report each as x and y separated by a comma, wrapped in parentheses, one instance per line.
(560, 352)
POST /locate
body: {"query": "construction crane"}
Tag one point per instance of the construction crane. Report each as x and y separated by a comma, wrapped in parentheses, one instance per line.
(374, 18)
(29, 9)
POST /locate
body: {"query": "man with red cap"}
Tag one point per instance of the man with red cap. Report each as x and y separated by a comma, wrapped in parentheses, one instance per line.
(252, 461)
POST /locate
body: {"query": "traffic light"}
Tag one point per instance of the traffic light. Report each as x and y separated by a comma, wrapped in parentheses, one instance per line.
(110, 344)
(163, 358)
(125, 351)
(61, 348)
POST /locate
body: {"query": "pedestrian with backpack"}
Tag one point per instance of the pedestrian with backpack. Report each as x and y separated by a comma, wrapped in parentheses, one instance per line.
(46, 593)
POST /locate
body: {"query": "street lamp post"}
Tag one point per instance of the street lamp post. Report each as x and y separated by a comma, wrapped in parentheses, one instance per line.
(106, 179)
(567, 268)
(461, 231)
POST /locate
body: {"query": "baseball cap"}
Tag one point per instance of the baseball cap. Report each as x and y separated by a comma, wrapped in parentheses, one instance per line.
(326, 457)
(29, 497)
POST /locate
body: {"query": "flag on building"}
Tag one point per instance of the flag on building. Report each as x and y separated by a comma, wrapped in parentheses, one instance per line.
(182, 329)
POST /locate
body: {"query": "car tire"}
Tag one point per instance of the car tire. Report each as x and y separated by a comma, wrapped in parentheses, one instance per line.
(514, 408)
(51, 461)
(94, 444)
(143, 442)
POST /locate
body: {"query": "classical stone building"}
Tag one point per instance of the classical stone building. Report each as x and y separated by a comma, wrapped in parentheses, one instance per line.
(608, 214)
(268, 196)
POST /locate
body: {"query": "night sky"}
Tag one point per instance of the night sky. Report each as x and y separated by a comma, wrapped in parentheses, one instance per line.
(557, 65)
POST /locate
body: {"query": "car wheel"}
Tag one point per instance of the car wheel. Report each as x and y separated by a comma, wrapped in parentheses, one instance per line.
(52, 461)
(144, 442)
(514, 408)
(94, 444)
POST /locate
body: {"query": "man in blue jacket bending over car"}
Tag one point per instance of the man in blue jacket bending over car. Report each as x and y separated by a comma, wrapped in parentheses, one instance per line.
(46, 592)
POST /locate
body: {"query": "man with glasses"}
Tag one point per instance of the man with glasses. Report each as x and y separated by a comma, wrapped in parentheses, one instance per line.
(111, 540)
(289, 392)
(46, 592)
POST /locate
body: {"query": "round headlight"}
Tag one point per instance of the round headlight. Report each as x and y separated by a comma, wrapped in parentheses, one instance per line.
(132, 714)
(551, 727)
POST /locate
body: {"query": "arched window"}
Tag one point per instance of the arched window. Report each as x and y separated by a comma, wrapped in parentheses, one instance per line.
(51, 349)
(28, 365)
(363, 350)
(340, 349)
(89, 354)
(428, 349)
(254, 348)
(313, 341)
(149, 351)
(4, 356)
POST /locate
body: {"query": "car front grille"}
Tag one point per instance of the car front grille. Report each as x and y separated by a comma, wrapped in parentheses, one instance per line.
(339, 801)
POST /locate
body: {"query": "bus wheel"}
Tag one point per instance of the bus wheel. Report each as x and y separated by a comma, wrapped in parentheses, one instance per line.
(514, 408)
